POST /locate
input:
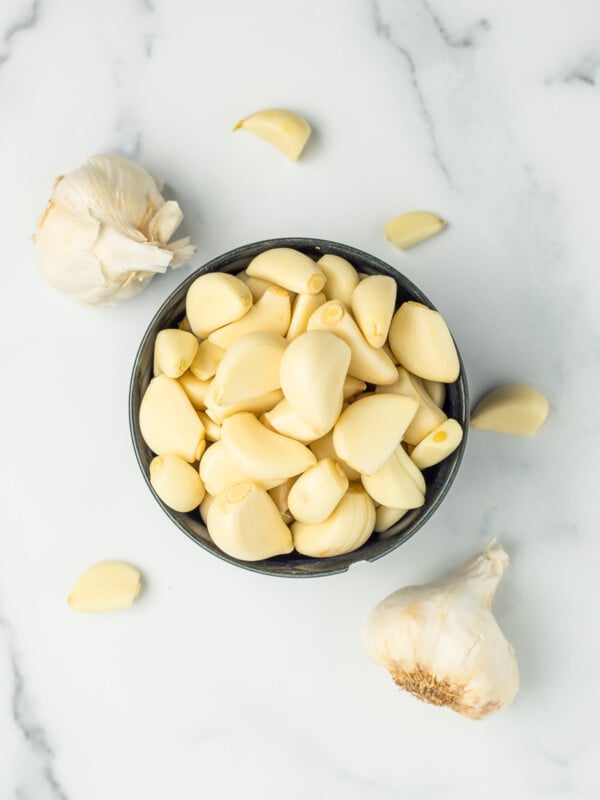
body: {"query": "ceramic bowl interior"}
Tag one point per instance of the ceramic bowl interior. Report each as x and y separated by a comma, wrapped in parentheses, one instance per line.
(439, 478)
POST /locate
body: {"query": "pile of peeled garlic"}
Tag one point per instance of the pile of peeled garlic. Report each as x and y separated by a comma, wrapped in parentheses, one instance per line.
(297, 407)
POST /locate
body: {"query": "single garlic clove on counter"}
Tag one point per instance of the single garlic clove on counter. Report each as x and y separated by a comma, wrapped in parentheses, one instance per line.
(396, 484)
(370, 429)
(428, 416)
(303, 307)
(409, 229)
(168, 422)
(196, 390)
(316, 493)
(214, 300)
(289, 269)
(106, 586)
(270, 314)
(513, 408)
(373, 303)
(437, 391)
(437, 445)
(346, 529)
(342, 278)
(262, 454)
(207, 359)
(249, 368)
(219, 471)
(244, 522)
(323, 448)
(313, 371)
(176, 482)
(367, 363)
(283, 419)
(174, 351)
(441, 643)
(285, 130)
(422, 343)
(385, 517)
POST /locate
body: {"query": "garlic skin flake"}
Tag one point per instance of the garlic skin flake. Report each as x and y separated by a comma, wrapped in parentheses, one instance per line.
(105, 232)
(441, 642)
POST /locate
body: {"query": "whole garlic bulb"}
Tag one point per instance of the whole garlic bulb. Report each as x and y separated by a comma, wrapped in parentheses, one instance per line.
(441, 643)
(105, 231)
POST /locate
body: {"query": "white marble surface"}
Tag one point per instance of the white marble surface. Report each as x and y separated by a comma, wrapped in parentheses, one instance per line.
(220, 683)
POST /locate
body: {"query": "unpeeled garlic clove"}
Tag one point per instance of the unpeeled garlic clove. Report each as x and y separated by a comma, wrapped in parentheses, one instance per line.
(373, 302)
(313, 371)
(214, 300)
(428, 415)
(323, 448)
(270, 314)
(352, 387)
(262, 454)
(285, 130)
(176, 482)
(437, 391)
(366, 363)
(346, 529)
(342, 278)
(106, 586)
(393, 485)
(316, 493)
(422, 343)
(409, 229)
(168, 422)
(219, 471)
(385, 517)
(249, 368)
(303, 307)
(212, 431)
(207, 359)
(196, 390)
(438, 444)
(283, 419)
(289, 269)
(257, 405)
(514, 408)
(245, 523)
(174, 351)
(369, 430)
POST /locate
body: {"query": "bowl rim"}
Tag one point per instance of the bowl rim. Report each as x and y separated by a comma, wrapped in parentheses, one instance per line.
(336, 564)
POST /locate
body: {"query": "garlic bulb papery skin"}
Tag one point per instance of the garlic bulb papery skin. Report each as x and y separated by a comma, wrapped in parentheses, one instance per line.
(105, 232)
(441, 643)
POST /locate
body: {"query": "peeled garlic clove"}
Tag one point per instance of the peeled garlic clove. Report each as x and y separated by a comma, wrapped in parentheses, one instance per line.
(279, 495)
(196, 390)
(304, 305)
(437, 391)
(409, 229)
(270, 314)
(262, 454)
(288, 268)
(392, 485)
(366, 362)
(369, 430)
(176, 482)
(283, 419)
(323, 448)
(437, 445)
(257, 405)
(243, 521)
(441, 643)
(106, 586)
(428, 416)
(207, 359)
(313, 370)
(285, 130)
(219, 471)
(214, 300)
(174, 351)
(212, 431)
(513, 408)
(411, 469)
(346, 529)
(373, 302)
(249, 368)
(422, 343)
(256, 285)
(168, 422)
(352, 387)
(316, 493)
(342, 278)
(204, 506)
(184, 325)
(385, 517)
